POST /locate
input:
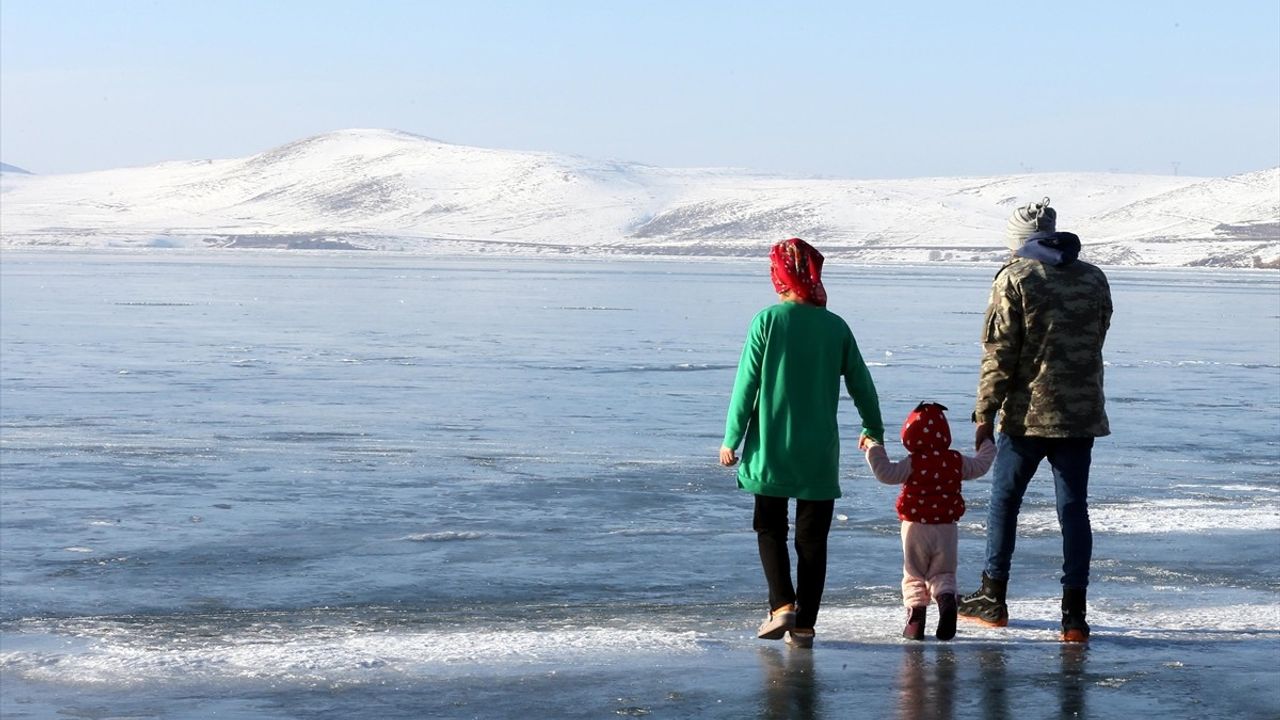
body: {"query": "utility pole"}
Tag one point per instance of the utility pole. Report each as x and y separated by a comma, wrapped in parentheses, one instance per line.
(1175, 167)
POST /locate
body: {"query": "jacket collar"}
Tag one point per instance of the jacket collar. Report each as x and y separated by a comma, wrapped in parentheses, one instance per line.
(1053, 248)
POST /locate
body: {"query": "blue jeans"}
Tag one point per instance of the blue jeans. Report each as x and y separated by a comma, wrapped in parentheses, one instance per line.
(1016, 461)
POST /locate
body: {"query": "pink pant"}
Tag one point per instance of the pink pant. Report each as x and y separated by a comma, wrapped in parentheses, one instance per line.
(928, 561)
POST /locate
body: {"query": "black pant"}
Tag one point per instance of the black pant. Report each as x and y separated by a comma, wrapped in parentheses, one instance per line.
(813, 523)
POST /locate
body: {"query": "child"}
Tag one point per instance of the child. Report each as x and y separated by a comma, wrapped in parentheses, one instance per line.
(929, 506)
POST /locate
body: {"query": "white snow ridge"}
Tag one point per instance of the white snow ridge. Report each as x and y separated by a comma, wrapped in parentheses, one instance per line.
(388, 190)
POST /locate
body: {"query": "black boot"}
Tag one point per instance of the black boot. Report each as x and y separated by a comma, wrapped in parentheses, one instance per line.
(915, 623)
(1074, 628)
(946, 617)
(987, 605)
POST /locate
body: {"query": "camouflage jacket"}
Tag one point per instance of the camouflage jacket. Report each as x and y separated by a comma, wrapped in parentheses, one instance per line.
(1042, 349)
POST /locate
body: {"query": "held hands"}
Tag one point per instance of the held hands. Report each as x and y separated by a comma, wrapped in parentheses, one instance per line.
(727, 457)
(985, 432)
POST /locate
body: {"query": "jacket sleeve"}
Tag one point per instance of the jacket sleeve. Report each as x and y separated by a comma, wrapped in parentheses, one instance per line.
(977, 466)
(884, 470)
(857, 380)
(746, 386)
(1107, 309)
(1001, 345)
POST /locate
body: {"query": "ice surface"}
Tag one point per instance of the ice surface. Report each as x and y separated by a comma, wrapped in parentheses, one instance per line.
(397, 488)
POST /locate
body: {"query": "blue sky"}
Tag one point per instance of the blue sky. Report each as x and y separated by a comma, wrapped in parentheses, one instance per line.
(812, 88)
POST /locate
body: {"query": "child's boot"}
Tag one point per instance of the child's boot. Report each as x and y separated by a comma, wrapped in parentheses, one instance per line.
(946, 616)
(915, 623)
(1074, 628)
(987, 604)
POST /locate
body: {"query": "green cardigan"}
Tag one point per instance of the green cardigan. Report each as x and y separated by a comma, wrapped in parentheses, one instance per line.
(785, 399)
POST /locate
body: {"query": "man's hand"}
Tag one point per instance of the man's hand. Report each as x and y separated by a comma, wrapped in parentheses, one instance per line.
(986, 431)
(727, 457)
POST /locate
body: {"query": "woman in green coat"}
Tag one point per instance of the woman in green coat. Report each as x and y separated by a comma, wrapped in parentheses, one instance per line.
(783, 415)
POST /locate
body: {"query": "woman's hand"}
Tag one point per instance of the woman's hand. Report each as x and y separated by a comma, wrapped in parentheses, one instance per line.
(727, 457)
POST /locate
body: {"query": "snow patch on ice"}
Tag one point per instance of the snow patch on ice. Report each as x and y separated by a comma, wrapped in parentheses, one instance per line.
(1037, 619)
(329, 655)
(444, 536)
(133, 652)
(1163, 516)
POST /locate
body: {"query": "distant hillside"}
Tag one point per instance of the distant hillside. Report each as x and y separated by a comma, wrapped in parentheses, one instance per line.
(7, 168)
(387, 190)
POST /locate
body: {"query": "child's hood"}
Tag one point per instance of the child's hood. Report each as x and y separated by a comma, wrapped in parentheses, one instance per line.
(926, 428)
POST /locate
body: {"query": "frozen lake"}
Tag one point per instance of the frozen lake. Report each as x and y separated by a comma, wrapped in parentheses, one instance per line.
(276, 485)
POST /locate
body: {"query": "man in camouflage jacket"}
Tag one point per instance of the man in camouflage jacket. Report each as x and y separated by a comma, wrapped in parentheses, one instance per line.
(1042, 374)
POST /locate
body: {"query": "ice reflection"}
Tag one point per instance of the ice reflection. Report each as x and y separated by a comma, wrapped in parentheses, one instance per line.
(926, 689)
(790, 688)
(993, 679)
(1072, 681)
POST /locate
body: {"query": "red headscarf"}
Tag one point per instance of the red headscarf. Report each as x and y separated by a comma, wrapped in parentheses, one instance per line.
(796, 266)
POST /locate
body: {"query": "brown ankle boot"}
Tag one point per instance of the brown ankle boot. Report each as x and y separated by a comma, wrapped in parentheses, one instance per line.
(915, 623)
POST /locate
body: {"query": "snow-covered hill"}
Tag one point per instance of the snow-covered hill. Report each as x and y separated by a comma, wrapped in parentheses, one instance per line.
(378, 189)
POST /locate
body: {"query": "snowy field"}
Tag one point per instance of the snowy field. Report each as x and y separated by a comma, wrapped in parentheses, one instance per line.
(279, 485)
(385, 190)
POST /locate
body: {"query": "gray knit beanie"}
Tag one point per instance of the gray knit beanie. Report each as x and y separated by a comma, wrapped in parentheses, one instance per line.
(1028, 220)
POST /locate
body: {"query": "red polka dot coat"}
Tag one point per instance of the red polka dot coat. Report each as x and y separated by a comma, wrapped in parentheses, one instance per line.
(931, 494)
